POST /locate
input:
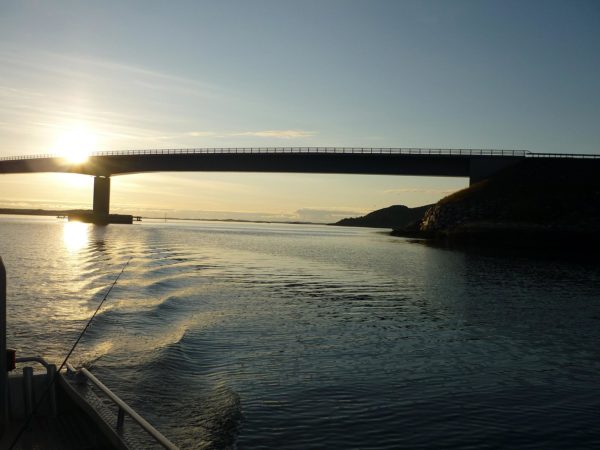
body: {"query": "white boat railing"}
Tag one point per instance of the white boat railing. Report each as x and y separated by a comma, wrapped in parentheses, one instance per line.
(124, 408)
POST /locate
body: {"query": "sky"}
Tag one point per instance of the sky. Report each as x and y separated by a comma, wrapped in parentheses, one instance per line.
(153, 74)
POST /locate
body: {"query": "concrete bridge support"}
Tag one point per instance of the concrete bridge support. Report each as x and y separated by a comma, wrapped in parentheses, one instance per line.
(101, 196)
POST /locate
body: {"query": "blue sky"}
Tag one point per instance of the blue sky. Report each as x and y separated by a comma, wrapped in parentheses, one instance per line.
(449, 74)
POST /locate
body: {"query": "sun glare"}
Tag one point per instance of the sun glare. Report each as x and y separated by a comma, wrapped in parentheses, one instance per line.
(75, 235)
(76, 144)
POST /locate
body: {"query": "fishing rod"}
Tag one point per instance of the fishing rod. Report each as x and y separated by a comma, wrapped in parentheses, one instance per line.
(51, 383)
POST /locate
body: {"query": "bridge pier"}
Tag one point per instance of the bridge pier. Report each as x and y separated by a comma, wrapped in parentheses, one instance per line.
(100, 214)
(101, 196)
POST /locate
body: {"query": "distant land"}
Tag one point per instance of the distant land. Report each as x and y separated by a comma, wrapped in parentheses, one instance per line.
(44, 212)
(66, 212)
(296, 222)
(396, 216)
(536, 203)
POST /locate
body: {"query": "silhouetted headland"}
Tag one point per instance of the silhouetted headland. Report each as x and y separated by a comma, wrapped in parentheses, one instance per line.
(396, 216)
(549, 203)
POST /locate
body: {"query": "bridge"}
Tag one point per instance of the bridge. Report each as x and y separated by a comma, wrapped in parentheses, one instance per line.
(476, 164)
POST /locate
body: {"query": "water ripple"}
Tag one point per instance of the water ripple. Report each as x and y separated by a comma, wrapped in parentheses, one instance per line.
(272, 336)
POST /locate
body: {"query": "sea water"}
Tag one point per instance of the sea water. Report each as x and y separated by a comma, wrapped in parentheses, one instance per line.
(261, 336)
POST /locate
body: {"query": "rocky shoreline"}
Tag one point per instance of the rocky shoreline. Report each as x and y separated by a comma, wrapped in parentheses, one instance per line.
(514, 235)
(555, 205)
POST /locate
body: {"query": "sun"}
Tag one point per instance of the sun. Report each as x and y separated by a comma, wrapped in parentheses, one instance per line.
(76, 144)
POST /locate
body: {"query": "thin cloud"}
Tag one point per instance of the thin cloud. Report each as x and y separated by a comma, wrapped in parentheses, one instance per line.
(36, 93)
(94, 70)
(325, 215)
(202, 134)
(285, 134)
(278, 134)
(418, 191)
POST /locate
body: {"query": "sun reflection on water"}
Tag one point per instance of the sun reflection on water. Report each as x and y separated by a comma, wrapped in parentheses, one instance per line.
(75, 235)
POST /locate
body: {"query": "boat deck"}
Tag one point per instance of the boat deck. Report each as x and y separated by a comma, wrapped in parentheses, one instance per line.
(68, 431)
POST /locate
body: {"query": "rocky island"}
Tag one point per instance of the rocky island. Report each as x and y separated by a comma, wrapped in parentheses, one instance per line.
(534, 203)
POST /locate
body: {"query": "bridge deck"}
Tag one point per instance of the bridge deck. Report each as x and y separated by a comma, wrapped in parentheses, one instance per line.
(271, 150)
(375, 161)
(476, 164)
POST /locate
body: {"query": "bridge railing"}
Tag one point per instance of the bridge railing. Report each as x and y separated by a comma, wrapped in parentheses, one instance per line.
(271, 150)
(352, 150)
(563, 155)
(20, 157)
(338, 150)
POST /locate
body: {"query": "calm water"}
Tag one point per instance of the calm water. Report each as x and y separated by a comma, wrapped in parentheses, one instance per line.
(284, 336)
